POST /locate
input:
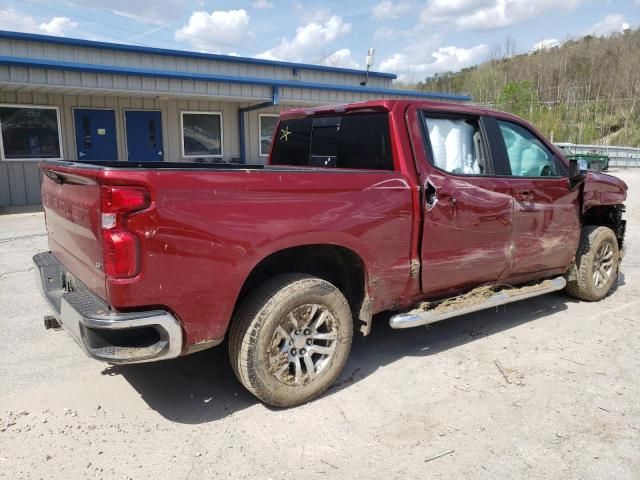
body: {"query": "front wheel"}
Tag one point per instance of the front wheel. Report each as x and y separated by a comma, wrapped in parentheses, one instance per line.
(596, 267)
(290, 339)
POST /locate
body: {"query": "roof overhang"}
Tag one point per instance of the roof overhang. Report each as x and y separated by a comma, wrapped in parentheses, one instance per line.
(220, 79)
(119, 47)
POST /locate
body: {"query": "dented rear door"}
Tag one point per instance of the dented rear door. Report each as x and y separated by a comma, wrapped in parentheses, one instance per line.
(468, 212)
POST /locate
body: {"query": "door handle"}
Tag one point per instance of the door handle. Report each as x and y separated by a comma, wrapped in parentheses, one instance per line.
(81, 154)
(523, 196)
(454, 207)
(159, 152)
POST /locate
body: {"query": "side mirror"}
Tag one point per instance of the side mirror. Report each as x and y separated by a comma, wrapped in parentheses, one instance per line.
(577, 170)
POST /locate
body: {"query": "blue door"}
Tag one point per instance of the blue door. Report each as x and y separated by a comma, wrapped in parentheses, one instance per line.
(144, 136)
(96, 134)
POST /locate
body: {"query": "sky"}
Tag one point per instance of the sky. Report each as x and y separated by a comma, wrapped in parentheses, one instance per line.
(413, 39)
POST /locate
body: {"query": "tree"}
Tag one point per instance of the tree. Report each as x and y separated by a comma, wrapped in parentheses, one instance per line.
(518, 98)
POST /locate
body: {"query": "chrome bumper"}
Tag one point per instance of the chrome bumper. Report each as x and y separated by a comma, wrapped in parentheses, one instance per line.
(104, 334)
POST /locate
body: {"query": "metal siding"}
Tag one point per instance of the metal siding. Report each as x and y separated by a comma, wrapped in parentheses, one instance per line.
(32, 182)
(5, 186)
(173, 143)
(68, 129)
(86, 76)
(18, 185)
(92, 46)
(55, 78)
(96, 56)
(19, 74)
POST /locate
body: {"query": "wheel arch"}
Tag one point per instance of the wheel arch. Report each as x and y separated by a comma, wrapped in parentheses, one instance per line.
(339, 265)
(607, 216)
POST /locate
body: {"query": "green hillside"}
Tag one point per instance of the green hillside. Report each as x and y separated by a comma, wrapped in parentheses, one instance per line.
(585, 91)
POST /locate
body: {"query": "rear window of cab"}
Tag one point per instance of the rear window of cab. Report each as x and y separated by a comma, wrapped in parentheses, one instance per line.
(356, 141)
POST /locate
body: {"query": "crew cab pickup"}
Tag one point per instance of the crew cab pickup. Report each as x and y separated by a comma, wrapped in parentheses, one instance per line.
(380, 206)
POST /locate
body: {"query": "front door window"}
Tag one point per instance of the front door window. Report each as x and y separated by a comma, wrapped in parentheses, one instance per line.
(528, 157)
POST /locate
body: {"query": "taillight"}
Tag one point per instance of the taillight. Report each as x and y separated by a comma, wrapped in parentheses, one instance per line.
(121, 248)
(124, 199)
(120, 253)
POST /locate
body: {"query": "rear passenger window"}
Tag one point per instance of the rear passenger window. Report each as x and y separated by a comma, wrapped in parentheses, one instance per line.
(358, 141)
(457, 145)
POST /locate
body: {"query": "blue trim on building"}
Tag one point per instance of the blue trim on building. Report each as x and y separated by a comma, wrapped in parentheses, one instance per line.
(76, 42)
(265, 82)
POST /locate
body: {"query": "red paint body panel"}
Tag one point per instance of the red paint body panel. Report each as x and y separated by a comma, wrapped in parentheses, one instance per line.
(467, 233)
(73, 223)
(206, 229)
(546, 228)
(602, 189)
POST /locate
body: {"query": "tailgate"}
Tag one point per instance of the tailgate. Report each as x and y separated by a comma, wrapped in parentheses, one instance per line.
(71, 200)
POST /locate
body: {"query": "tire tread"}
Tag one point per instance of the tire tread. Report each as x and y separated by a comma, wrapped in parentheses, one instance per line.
(581, 287)
(244, 329)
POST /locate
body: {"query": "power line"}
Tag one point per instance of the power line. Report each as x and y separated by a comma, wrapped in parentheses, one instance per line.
(21, 27)
(161, 27)
(129, 30)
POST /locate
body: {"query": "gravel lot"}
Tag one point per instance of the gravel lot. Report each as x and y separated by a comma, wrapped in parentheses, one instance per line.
(568, 408)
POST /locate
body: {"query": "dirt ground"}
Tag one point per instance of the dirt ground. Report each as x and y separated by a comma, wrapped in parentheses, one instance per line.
(568, 408)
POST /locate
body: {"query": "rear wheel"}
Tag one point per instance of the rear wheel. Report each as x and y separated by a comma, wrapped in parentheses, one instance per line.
(596, 266)
(290, 339)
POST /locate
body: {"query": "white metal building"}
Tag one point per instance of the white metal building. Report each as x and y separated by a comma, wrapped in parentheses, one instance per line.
(71, 99)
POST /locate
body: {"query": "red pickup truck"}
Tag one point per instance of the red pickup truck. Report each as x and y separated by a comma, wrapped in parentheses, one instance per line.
(424, 209)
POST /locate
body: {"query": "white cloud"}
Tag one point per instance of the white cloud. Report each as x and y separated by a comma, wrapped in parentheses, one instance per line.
(438, 11)
(484, 15)
(387, 10)
(546, 44)
(215, 31)
(450, 7)
(508, 12)
(58, 26)
(17, 21)
(414, 66)
(341, 58)
(612, 23)
(309, 40)
(262, 4)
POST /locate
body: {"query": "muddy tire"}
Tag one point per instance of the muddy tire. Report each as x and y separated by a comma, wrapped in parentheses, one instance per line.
(596, 267)
(290, 339)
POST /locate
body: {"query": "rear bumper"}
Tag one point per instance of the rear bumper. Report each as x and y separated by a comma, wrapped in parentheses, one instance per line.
(104, 334)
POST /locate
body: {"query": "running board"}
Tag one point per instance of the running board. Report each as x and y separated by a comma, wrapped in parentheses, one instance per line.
(416, 318)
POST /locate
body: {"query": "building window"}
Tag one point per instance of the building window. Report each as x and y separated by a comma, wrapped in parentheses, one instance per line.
(202, 134)
(267, 125)
(30, 133)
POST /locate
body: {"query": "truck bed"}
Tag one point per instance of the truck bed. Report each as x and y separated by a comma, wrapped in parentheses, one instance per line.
(209, 225)
(170, 166)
